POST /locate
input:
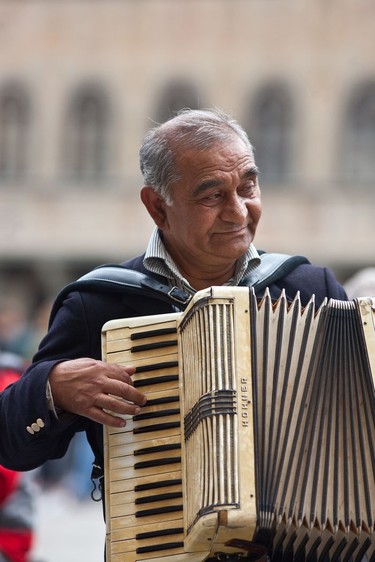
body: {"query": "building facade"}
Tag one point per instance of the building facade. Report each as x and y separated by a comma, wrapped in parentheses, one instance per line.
(81, 81)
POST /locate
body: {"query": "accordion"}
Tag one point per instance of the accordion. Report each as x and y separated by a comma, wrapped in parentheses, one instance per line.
(259, 429)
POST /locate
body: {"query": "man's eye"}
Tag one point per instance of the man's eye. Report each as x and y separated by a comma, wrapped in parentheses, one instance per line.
(212, 197)
(248, 189)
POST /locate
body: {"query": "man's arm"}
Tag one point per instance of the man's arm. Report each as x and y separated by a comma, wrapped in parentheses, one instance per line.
(69, 357)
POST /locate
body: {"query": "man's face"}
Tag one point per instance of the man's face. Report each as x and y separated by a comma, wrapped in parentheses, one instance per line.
(215, 211)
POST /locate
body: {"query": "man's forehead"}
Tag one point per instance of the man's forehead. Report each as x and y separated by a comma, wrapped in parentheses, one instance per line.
(234, 150)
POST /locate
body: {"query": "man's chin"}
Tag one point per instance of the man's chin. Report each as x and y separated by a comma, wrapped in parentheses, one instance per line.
(232, 254)
(236, 246)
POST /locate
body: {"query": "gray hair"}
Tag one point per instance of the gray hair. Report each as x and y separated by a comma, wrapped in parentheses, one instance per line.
(197, 128)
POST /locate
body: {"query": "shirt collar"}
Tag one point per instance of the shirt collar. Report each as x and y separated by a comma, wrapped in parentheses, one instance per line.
(158, 260)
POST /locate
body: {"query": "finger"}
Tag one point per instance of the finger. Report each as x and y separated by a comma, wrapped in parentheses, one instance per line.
(119, 372)
(105, 417)
(120, 407)
(126, 392)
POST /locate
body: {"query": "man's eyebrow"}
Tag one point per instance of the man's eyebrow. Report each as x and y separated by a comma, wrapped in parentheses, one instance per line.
(249, 173)
(209, 183)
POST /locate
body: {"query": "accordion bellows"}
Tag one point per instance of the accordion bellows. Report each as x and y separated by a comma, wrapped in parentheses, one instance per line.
(259, 426)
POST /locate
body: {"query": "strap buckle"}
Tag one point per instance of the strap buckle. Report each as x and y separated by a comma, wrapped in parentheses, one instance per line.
(179, 296)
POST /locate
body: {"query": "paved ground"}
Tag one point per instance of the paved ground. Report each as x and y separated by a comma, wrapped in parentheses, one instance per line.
(68, 530)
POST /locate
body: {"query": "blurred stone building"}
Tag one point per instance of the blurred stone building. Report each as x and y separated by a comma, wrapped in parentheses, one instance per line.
(82, 80)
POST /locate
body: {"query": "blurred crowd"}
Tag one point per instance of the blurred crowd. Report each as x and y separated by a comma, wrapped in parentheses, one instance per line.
(20, 335)
(20, 329)
(361, 284)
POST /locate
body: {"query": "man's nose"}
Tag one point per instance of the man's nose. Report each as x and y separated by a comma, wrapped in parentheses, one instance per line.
(234, 209)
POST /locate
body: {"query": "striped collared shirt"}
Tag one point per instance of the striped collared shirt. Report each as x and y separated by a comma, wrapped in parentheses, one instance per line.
(158, 260)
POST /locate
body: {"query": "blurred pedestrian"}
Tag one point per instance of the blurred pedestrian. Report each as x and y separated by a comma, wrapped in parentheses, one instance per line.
(17, 491)
(16, 334)
(361, 284)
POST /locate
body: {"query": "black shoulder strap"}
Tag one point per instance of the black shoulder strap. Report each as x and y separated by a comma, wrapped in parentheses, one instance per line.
(272, 268)
(116, 278)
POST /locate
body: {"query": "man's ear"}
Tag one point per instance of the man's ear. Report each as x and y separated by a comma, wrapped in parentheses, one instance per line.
(155, 206)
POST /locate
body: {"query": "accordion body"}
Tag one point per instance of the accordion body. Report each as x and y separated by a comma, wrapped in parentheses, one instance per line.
(259, 428)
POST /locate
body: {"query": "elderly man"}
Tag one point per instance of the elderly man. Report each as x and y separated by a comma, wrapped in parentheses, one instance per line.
(202, 191)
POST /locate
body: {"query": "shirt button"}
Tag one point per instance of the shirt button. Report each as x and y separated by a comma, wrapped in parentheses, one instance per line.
(30, 430)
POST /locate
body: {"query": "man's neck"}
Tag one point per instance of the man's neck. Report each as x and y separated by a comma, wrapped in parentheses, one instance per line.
(202, 281)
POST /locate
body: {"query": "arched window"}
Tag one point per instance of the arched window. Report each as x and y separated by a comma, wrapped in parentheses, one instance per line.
(271, 131)
(176, 96)
(87, 135)
(14, 129)
(359, 136)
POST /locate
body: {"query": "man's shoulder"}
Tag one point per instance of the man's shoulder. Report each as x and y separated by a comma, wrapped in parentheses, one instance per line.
(307, 280)
(135, 263)
(271, 268)
(128, 287)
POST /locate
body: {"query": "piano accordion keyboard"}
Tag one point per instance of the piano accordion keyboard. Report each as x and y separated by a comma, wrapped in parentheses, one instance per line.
(143, 461)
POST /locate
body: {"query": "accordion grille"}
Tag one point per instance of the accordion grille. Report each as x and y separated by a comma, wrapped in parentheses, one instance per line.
(211, 447)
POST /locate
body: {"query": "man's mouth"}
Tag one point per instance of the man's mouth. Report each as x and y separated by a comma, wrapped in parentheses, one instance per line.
(240, 230)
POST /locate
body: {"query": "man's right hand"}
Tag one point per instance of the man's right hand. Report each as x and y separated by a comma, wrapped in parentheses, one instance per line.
(88, 387)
